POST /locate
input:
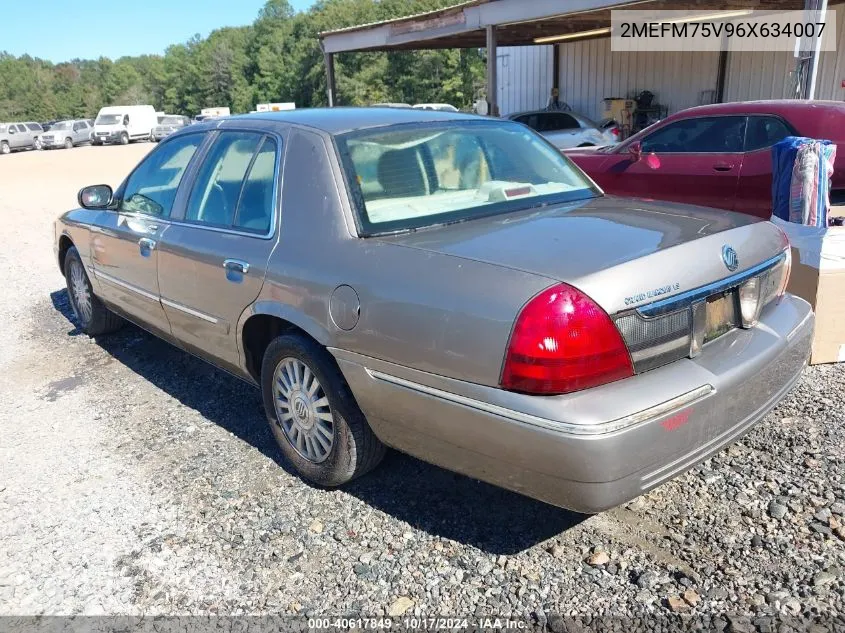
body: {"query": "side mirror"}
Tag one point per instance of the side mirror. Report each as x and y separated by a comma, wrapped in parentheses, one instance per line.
(635, 150)
(95, 197)
(13, 132)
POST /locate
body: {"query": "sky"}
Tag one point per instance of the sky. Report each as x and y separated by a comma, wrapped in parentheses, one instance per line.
(61, 30)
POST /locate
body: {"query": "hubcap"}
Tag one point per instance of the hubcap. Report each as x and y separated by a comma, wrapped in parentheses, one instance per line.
(81, 292)
(302, 410)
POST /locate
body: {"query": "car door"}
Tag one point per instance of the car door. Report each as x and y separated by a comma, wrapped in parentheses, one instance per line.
(124, 242)
(80, 132)
(33, 132)
(18, 136)
(696, 160)
(213, 259)
(754, 194)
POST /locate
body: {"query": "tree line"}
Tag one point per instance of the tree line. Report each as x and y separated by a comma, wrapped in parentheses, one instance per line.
(275, 59)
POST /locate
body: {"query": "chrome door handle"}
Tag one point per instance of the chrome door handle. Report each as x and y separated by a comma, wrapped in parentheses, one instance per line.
(147, 243)
(236, 265)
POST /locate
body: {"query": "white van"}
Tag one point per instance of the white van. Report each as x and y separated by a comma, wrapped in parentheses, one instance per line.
(121, 124)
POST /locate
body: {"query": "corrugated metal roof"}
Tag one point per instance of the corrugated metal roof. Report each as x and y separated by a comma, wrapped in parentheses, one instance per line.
(445, 11)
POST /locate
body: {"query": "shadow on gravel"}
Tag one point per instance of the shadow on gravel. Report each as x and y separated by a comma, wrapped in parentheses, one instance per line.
(429, 498)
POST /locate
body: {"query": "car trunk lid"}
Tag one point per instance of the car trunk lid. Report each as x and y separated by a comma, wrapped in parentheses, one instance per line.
(622, 252)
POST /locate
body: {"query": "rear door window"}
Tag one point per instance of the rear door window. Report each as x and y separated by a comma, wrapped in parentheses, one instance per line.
(764, 131)
(220, 180)
(561, 121)
(34, 127)
(703, 135)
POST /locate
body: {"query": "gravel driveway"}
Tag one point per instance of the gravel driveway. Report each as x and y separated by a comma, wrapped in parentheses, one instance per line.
(137, 479)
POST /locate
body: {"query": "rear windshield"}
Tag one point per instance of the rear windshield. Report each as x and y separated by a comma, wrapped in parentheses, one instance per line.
(172, 120)
(407, 177)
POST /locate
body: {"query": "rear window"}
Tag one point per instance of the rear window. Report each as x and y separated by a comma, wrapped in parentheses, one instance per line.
(34, 127)
(412, 176)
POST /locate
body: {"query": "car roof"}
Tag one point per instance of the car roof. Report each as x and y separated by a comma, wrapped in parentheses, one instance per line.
(772, 106)
(340, 120)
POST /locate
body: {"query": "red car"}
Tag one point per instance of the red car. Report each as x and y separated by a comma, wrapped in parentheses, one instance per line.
(716, 155)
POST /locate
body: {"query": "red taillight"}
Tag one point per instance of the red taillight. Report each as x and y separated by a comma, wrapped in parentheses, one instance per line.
(615, 131)
(561, 342)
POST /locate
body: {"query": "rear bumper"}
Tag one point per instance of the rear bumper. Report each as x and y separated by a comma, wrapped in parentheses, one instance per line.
(569, 450)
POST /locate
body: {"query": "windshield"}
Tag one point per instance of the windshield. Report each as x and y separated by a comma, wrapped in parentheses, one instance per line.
(412, 176)
(171, 120)
(61, 125)
(107, 119)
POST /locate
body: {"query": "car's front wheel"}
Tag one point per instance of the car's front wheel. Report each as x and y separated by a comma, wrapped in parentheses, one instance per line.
(313, 414)
(124, 139)
(68, 143)
(94, 318)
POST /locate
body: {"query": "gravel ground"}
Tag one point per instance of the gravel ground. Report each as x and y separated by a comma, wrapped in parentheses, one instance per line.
(135, 479)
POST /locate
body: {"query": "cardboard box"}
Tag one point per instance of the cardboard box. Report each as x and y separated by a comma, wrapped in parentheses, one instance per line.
(825, 291)
(818, 276)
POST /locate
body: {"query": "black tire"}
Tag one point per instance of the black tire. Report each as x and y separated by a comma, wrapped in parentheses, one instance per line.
(68, 143)
(4, 148)
(96, 143)
(355, 449)
(101, 320)
(124, 139)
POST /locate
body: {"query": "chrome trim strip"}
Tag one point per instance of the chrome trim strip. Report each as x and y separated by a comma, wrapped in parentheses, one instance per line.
(187, 310)
(601, 428)
(682, 300)
(117, 282)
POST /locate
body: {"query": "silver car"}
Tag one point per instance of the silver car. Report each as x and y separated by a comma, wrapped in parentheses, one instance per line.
(566, 130)
(448, 285)
(17, 136)
(169, 124)
(67, 134)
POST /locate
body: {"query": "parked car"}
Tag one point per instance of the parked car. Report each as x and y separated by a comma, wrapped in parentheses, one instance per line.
(18, 136)
(448, 285)
(67, 134)
(716, 155)
(169, 123)
(445, 107)
(122, 124)
(567, 129)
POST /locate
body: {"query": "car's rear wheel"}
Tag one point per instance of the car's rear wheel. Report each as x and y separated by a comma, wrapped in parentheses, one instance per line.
(94, 318)
(68, 143)
(37, 143)
(4, 148)
(313, 414)
(124, 139)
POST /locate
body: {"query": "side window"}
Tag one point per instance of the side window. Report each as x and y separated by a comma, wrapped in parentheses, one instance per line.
(34, 127)
(459, 162)
(705, 135)
(562, 121)
(151, 189)
(258, 195)
(764, 131)
(77, 126)
(220, 179)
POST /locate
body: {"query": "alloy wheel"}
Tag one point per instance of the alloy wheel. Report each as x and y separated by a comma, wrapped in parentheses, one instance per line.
(81, 292)
(302, 410)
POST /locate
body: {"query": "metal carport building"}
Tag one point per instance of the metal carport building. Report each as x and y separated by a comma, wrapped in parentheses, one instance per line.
(536, 44)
